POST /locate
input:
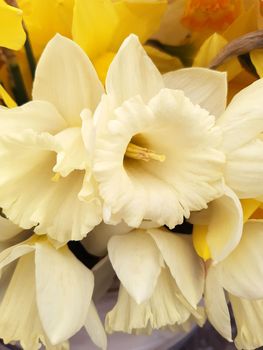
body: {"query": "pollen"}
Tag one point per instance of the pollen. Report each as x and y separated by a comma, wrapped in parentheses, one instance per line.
(215, 15)
(141, 153)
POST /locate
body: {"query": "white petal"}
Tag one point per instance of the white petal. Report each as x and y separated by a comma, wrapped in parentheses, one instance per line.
(12, 253)
(185, 266)
(95, 328)
(64, 288)
(225, 225)
(73, 154)
(203, 86)
(241, 272)
(216, 305)
(132, 73)
(97, 240)
(39, 116)
(137, 263)
(8, 229)
(164, 308)
(249, 321)
(244, 169)
(19, 319)
(242, 120)
(66, 78)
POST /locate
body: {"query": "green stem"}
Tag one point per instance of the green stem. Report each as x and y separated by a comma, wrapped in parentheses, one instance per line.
(19, 89)
(30, 56)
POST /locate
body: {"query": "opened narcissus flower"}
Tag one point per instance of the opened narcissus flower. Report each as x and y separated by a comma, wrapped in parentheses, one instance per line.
(161, 281)
(53, 186)
(46, 297)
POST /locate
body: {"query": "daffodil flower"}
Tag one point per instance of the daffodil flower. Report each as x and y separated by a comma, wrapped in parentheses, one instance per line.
(240, 276)
(12, 34)
(48, 298)
(46, 179)
(232, 252)
(156, 154)
(161, 280)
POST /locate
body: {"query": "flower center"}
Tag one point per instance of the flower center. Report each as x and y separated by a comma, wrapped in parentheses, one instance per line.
(210, 14)
(142, 153)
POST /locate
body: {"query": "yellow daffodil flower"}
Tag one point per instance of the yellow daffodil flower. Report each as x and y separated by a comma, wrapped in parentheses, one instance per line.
(155, 291)
(12, 34)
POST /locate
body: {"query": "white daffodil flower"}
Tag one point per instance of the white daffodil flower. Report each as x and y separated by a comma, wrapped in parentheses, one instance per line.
(161, 277)
(242, 126)
(239, 276)
(46, 179)
(156, 154)
(48, 298)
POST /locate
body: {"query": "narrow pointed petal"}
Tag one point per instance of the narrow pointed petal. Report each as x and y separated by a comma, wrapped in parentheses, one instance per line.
(95, 328)
(64, 288)
(132, 73)
(66, 78)
(203, 86)
(137, 263)
(19, 316)
(185, 266)
(9, 102)
(216, 305)
(12, 253)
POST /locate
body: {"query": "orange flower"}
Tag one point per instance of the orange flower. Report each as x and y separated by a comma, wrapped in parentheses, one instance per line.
(213, 15)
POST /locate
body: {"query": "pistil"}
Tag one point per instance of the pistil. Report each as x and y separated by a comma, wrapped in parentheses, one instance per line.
(141, 153)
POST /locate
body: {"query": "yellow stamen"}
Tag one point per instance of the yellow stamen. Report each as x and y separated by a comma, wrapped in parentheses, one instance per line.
(56, 177)
(141, 153)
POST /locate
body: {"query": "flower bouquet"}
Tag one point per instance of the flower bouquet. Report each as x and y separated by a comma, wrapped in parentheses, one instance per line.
(131, 151)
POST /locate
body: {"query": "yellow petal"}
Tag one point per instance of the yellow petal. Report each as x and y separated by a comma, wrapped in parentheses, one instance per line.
(210, 49)
(94, 25)
(44, 19)
(257, 59)
(9, 102)
(139, 17)
(200, 242)
(12, 34)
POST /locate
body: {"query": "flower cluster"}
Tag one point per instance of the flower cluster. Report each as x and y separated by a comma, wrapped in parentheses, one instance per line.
(155, 176)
